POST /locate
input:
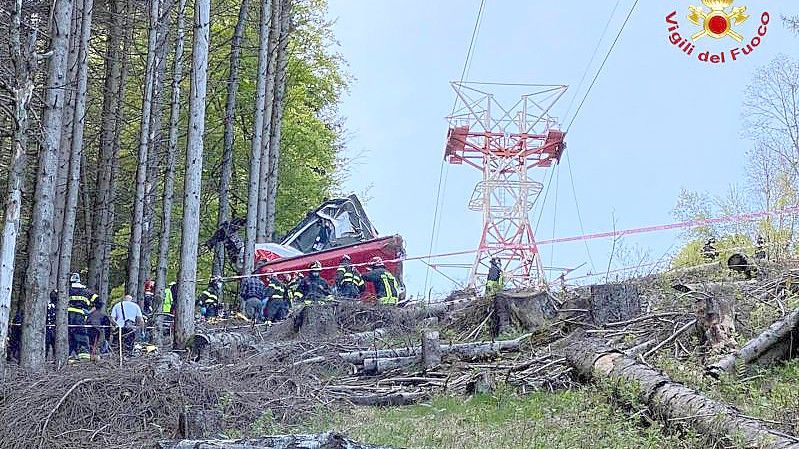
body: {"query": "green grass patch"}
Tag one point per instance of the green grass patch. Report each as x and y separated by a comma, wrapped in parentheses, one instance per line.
(568, 419)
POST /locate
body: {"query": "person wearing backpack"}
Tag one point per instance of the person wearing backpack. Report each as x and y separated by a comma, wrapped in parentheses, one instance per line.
(128, 317)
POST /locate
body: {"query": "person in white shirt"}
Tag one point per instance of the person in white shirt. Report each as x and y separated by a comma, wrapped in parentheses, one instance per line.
(127, 316)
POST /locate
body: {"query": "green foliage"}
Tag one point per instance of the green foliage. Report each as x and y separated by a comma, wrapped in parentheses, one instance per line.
(691, 254)
(310, 141)
(566, 419)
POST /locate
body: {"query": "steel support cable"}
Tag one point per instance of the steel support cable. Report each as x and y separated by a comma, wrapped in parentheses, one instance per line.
(593, 57)
(579, 215)
(602, 66)
(555, 216)
(466, 65)
(580, 107)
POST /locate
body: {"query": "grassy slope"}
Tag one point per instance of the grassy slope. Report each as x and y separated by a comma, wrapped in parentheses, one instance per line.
(569, 419)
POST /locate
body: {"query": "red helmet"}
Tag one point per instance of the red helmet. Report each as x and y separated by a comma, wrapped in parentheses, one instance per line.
(376, 262)
(149, 286)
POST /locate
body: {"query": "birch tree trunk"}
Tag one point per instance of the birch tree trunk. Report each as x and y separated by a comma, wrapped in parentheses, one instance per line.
(227, 154)
(41, 228)
(102, 221)
(73, 181)
(277, 117)
(263, 188)
(169, 171)
(23, 91)
(134, 246)
(154, 151)
(187, 279)
(255, 155)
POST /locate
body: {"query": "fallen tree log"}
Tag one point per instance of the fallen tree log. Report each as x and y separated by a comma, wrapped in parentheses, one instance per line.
(222, 345)
(377, 365)
(464, 350)
(386, 400)
(774, 344)
(671, 401)
(322, 441)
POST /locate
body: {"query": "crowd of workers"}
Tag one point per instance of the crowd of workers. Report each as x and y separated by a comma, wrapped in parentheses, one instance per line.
(272, 299)
(91, 330)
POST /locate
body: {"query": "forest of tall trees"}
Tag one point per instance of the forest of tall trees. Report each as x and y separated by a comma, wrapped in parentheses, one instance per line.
(129, 131)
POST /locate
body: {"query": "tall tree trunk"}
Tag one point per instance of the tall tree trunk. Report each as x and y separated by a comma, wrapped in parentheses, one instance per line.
(41, 234)
(86, 200)
(277, 117)
(103, 221)
(155, 144)
(23, 91)
(67, 123)
(134, 246)
(263, 188)
(187, 279)
(227, 153)
(258, 128)
(169, 170)
(73, 182)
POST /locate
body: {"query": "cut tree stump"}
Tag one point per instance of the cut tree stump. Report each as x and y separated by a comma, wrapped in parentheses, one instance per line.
(776, 343)
(523, 310)
(670, 401)
(609, 303)
(321, 441)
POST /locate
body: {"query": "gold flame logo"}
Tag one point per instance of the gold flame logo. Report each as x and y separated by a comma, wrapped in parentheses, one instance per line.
(719, 21)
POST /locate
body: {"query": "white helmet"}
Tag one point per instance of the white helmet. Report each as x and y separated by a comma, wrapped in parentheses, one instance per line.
(74, 278)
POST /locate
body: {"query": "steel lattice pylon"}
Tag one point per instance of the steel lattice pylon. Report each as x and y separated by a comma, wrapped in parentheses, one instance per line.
(506, 145)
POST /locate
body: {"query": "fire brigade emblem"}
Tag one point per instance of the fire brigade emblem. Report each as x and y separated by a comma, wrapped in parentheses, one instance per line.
(719, 21)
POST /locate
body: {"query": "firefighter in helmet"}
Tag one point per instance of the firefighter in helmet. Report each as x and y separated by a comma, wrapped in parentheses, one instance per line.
(386, 285)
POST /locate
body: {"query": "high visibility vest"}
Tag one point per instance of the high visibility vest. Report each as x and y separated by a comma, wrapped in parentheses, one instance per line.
(80, 304)
(391, 288)
(167, 307)
(278, 291)
(209, 298)
(350, 276)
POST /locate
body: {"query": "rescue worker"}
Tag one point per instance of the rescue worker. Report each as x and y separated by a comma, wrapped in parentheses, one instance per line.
(349, 282)
(128, 317)
(252, 291)
(80, 303)
(496, 280)
(100, 330)
(324, 237)
(293, 284)
(146, 304)
(15, 337)
(208, 301)
(385, 284)
(49, 334)
(709, 250)
(760, 248)
(278, 300)
(313, 288)
(170, 295)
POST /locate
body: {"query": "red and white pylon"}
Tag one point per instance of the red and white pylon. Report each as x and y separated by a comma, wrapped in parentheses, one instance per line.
(507, 143)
